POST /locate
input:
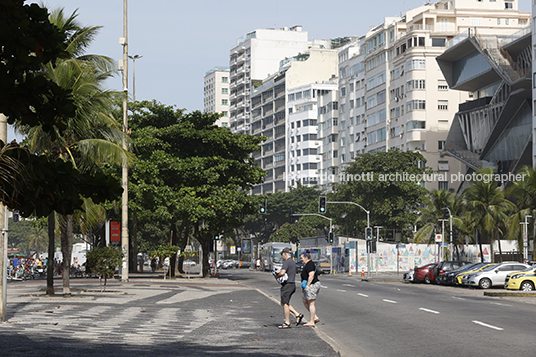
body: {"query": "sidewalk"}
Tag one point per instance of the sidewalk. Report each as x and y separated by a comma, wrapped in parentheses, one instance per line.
(150, 316)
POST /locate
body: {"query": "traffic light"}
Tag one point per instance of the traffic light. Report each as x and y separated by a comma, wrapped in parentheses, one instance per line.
(217, 237)
(371, 246)
(368, 233)
(445, 213)
(330, 237)
(16, 216)
(262, 209)
(322, 204)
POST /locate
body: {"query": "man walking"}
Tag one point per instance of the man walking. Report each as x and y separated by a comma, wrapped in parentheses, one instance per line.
(288, 288)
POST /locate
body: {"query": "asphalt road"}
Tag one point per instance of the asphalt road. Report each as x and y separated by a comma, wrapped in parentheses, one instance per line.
(401, 319)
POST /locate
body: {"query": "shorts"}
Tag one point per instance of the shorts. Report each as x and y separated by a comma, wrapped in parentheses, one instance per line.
(287, 290)
(310, 292)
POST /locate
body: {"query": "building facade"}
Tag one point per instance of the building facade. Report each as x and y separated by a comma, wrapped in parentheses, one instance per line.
(393, 94)
(254, 58)
(216, 94)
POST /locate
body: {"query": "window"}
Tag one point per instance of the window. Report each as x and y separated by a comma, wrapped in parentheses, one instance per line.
(291, 97)
(508, 5)
(343, 91)
(224, 102)
(443, 166)
(441, 145)
(225, 79)
(443, 185)
(442, 105)
(225, 114)
(416, 105)
(442, 85)
(416, 64)
(416, 124)
(225, 91)
(438, 42)
(443, 125)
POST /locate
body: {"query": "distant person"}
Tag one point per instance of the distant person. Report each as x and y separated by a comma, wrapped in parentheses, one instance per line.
(288, 288)
(153, 264)
(16, 262)
(310, 287)
(258, 265)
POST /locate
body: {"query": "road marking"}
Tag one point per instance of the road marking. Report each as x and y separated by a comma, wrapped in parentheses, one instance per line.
(362, 295)
(459, 298)
(350, 285)
(428, 310)
(500, 304)
(325, 287)
(342, 291)
(390, 301)
(489, 326)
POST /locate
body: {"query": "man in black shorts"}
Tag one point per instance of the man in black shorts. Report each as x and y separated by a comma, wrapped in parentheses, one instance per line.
(288, 288)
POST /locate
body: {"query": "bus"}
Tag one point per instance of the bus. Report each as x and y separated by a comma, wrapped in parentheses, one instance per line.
(271, 255)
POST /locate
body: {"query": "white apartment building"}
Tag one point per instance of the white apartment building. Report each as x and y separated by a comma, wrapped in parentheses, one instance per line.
(305, 123)
(269, 116)
(408, 104)
(216, 94)
(254, 58)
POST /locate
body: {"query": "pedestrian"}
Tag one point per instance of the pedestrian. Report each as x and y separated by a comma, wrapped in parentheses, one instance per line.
(258, 263)
(310, 287)
(288, 288)
(153, 264)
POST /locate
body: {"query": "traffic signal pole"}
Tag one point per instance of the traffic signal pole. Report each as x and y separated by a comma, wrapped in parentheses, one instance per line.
(368, 226)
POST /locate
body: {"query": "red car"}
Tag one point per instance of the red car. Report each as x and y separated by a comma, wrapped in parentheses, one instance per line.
(422, 273)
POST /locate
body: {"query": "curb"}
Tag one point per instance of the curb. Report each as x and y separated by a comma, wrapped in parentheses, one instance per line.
(511, 293)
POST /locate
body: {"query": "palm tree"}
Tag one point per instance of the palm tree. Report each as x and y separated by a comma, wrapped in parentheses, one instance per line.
(488, 208)
(431, 214)
(523, 193)
(93, 136)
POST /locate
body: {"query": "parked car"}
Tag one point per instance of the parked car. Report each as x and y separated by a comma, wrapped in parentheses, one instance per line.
(421, 273)
(323, 266)
(461, 276)
(189, 263)
(494, 275)
(443, 267)
(449, 278)
(408, 276)
(522, 280)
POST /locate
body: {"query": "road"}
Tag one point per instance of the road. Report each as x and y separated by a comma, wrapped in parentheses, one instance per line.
(400, 319)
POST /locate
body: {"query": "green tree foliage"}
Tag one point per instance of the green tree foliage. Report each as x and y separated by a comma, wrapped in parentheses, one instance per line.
(190, 175)
(301, 199)
(292, 232)
(392, 202)
(104, 261)
(28, 41)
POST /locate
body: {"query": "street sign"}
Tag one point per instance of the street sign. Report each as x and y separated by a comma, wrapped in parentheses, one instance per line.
(438, 238)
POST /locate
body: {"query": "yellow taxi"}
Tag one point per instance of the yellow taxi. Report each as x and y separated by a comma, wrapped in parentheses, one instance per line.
(460, 276)
(521, 280)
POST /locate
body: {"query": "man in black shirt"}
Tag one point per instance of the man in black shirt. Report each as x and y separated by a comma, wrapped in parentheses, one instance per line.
(288, 288)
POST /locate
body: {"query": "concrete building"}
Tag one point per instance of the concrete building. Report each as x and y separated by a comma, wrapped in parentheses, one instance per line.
(216, 94)
(254, 58)
(270, 109)
(408, 104)
(533, 83)
(495, 128)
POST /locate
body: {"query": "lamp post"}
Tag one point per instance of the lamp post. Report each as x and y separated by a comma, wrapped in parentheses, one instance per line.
(124, 176)
(134, 58)
(525, 238)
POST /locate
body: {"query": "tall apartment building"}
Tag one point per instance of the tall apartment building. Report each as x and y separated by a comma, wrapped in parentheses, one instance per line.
(271, 105)
(255, 57)
(408, 105)
(216, 94)
(533, 31)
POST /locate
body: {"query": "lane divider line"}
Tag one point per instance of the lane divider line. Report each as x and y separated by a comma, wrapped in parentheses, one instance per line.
(459, 298)
(350, 285)
(390, 301)
(342, 291)
(428, 310)
(500, 304)
(488, 326)
(362, 295)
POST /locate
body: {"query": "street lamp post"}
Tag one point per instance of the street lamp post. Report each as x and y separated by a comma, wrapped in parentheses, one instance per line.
(134, 58)
(377, 243)
(124, 176)
(525, 238)
(451, 247)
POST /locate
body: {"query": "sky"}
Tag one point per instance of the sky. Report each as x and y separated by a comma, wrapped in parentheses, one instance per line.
(181, 40)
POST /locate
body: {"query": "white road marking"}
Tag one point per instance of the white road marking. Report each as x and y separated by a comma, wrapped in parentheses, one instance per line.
(500, 304)
(362, 295)
(489, 326)
(459, 298)
(390, 301)
(325, 287)
(350, 285)
(428, 310)
(342, 291)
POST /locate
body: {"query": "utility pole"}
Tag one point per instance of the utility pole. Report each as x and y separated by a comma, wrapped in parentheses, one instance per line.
(451, 247)
(124, 176)
(525, 238)
(377, 243)
(3, 236)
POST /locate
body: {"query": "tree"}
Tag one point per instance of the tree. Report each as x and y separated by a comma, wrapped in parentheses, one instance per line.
(191, 177)
(92, 136)
(428, 221)
(292, 232)
(371, 181)
(487, 207)
(104, 261)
